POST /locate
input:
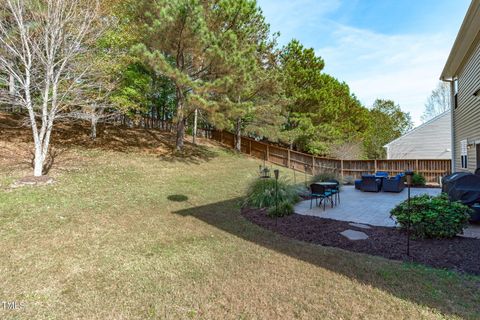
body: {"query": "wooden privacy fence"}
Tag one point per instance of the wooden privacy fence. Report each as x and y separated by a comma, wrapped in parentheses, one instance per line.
(432, 170)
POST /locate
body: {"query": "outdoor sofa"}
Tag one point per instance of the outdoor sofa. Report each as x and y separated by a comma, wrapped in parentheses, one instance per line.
(369, 186)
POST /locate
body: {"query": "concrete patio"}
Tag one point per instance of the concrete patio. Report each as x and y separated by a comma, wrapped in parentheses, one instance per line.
(368, 207)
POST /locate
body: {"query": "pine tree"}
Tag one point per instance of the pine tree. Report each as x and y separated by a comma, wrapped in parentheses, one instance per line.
(183, 41)
(252, 102)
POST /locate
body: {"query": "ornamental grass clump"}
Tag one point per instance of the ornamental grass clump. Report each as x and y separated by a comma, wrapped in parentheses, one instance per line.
(432, 217)
(262, 194)
(324, 176)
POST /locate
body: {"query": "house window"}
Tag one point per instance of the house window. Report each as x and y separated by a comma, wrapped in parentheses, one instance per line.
(464, 153)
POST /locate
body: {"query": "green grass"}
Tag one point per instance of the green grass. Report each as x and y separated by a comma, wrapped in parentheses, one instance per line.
(130, 236)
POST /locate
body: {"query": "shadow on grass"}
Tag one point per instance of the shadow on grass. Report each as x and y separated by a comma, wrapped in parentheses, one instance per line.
(177, 198)
(447, 292)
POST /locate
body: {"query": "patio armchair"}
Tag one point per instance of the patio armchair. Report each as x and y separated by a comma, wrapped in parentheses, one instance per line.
(358, 184)
(320, 192)
(335, 190)
(477, 172)
(395, 184)
(370, 183)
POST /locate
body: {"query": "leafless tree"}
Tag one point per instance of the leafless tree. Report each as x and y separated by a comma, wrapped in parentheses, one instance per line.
(438, 102)
(40, 44)
(95, 105)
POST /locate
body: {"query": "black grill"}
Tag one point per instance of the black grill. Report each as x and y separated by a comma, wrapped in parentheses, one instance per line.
(463, 187)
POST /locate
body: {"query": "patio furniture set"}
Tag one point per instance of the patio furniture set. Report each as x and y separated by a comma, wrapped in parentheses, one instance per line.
(326, 191)
(381, 181)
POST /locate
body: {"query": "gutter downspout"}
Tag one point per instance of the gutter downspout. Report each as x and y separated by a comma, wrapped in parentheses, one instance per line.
(452, 121)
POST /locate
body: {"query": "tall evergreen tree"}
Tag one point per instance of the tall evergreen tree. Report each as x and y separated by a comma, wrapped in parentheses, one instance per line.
(184, 41)
(252, 99)
(322, 111)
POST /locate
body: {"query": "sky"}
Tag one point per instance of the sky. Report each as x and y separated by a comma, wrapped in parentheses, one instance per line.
(386, 49)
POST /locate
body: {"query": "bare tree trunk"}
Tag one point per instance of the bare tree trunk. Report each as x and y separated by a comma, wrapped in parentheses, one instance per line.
(11, 90)
(42, 145)
(195, 120)
(11, 85)
(93, 133)
(238, 134)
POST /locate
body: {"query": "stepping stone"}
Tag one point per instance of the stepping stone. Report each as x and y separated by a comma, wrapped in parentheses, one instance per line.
(354, 235)
(359, 225)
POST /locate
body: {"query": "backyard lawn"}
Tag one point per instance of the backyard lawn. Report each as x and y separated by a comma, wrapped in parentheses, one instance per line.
(129, 235)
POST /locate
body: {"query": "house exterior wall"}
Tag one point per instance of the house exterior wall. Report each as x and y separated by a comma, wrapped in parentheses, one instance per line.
(466, 115)
(432, 140)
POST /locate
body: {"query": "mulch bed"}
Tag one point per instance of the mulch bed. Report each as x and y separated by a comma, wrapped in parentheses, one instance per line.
(458, 254)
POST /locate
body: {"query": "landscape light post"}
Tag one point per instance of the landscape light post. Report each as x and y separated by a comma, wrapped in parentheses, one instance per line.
(409, 175)
(277, 173)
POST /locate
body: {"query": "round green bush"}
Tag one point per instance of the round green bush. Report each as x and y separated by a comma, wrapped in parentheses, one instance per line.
(432, 217)
(418, 179)
(261, 194)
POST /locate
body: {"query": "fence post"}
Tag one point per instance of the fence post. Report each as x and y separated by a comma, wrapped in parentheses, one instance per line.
(288, 158)
(268, 152)
(341, 169)
(416, 165)
(249, 147)
(375, 171)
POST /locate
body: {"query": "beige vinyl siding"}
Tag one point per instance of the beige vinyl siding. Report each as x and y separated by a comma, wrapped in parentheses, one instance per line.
(466, 117)
(432, 140)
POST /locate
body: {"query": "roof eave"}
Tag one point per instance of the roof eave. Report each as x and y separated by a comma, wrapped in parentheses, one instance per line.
(469, 32)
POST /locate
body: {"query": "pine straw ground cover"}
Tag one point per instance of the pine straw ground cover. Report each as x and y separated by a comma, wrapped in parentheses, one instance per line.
(125, 235)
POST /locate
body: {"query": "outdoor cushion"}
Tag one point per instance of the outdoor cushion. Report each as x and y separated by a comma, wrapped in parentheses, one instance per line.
(381, 174)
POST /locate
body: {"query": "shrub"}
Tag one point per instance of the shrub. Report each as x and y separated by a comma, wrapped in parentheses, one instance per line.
(418, 179)
(324, 176)
(261, 194)
(432, 217)
(284, 208)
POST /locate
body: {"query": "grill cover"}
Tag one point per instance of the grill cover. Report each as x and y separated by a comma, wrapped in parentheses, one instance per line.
(464, 187)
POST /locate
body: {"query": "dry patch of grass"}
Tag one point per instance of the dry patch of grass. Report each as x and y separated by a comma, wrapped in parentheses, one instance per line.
(138, 236)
